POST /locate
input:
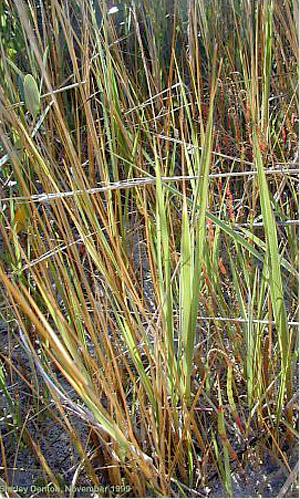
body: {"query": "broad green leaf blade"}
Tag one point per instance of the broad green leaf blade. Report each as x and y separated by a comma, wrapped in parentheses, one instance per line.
(31, 95)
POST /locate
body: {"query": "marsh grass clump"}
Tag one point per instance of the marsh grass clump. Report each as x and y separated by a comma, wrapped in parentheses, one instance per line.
(149, 211)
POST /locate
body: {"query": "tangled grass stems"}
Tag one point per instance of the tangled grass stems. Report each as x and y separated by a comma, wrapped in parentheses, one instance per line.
(148, 203)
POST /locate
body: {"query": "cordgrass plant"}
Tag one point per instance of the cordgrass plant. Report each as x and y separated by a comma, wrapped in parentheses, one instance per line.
(149, 232)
